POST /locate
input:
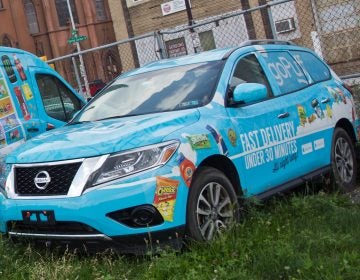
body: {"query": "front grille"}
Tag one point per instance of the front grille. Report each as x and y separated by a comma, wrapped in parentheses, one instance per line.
(57, 228)
(61, 179)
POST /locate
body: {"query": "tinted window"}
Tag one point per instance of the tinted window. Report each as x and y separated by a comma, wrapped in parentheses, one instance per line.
(314, 66)
(249, 70)
(59, 102)
(169, 89)
(286, 72)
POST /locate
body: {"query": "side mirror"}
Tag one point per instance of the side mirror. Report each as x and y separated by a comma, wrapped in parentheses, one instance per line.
(249, 92)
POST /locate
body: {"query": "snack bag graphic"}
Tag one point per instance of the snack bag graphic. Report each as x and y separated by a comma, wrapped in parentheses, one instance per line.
(165, 197)
(187, 169)
(302, 114)
(328, 111)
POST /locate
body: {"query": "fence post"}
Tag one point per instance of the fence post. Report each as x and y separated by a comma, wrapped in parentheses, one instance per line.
(272, 23)
(161, 45)
(77, 75)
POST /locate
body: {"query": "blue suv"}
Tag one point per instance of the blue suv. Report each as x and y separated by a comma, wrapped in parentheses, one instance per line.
(168, 149)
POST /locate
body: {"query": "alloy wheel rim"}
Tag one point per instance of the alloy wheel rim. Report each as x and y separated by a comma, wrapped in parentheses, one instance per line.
(344, 160)
(214, 211)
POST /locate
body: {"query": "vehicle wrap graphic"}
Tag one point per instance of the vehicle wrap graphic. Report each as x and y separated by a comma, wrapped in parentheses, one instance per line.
(266, 144)
(165, 197)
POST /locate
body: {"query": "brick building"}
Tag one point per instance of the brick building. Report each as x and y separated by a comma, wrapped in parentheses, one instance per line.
(43, 28)
(138, 17)
(331, 27)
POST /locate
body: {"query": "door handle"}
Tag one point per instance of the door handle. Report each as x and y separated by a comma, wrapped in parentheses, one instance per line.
(33, 129)
(283, 115)
(325, 100)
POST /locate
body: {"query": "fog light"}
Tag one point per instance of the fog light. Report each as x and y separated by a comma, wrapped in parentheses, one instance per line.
(143, 215)
(138, 216)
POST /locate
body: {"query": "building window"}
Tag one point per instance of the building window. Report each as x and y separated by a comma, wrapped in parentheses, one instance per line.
(6, 42)
(63, 12)
(100, 10)
(31, 17)
(207, 40)
(176, 47)
(1, 4)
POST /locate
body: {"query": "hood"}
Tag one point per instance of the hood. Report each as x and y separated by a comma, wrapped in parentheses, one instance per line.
(91, 139)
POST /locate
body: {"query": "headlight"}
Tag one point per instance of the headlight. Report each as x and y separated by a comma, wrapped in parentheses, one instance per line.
(126, 163)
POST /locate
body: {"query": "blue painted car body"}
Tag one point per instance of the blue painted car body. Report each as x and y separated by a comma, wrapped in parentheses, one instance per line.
(269, 142)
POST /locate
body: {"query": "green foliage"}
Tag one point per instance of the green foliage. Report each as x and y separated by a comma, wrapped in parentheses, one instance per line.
(298, 237)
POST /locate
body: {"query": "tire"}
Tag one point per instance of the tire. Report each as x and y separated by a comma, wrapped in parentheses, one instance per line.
(212, 205)
(343, 161)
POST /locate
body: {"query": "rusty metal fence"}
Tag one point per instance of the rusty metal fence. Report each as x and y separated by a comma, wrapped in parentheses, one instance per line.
(330, 27)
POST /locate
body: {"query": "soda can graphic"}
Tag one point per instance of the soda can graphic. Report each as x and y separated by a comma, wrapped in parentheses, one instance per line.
(9, 68)
(19, 68)
(22, 103)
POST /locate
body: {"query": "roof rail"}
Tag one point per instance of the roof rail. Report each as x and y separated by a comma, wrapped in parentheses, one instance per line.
(259, 42)
(266, 41)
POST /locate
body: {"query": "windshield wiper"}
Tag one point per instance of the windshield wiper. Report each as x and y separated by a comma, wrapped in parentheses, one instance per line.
(117, 117)
(76, 122)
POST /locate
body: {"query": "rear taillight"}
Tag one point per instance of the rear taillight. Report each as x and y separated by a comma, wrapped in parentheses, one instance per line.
(349, 88)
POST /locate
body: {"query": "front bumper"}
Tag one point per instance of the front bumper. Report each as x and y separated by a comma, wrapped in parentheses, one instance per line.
(85, 219)
(127, 244)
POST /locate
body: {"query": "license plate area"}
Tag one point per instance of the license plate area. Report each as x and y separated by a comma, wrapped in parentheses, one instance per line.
(43, 217)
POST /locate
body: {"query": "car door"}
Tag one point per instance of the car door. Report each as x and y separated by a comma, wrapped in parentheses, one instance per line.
(310, 105)
(55, 101)
(267, 149)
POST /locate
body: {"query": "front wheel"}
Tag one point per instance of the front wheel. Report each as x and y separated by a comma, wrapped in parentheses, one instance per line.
(343, 161)
(212, 204)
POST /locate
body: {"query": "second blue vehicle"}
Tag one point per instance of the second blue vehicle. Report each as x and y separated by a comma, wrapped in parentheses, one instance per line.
(168, 149)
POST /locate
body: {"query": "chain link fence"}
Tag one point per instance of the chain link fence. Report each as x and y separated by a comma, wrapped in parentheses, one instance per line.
(330, 27)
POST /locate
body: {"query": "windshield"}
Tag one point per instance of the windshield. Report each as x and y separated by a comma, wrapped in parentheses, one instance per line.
(175, 88)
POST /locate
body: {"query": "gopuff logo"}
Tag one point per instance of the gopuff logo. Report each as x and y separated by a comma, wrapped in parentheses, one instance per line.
(42, 180)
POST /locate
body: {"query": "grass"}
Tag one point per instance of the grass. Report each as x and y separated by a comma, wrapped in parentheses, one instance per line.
(298, 237)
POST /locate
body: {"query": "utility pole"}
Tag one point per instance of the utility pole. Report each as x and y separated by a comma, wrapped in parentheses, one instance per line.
(82, 67)
(194, 36)
(189, 13)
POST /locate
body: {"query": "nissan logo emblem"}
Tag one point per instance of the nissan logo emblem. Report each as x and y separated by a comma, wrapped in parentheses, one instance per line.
(42, 180)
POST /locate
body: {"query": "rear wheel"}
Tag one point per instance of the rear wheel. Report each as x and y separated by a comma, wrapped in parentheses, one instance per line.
(343, 161)
(212, 205)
